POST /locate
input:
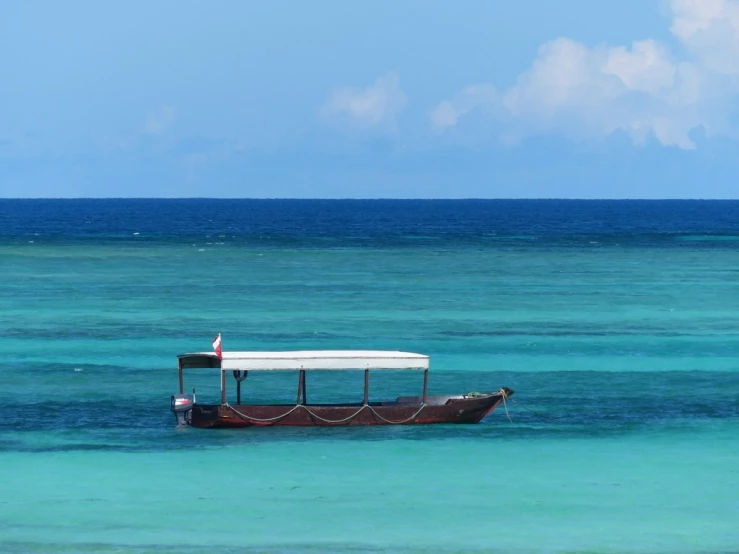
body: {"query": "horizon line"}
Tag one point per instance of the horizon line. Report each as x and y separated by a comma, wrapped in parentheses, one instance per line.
(370, 199)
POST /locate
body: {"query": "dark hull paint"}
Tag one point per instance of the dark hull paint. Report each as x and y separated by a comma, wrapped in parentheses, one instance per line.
(454, 410)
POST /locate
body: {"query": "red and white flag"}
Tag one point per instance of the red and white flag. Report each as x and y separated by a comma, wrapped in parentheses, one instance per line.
(217, 346)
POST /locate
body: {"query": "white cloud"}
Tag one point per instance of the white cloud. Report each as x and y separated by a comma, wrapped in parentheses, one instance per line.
(709, 30)
(448, 112)
(641, 90)
(160, 121)
(375, 106)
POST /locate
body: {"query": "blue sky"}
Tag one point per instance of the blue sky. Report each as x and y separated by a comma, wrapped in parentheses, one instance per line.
(394, 99)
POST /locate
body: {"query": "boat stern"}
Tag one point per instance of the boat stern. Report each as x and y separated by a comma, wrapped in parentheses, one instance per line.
(182, 407)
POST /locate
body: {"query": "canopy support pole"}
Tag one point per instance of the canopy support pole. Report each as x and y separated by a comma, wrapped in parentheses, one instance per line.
(223, 388)
(239, 376)
(305, 389)
(182, 382)
(366, 387)
(425, 385)
(301, 380)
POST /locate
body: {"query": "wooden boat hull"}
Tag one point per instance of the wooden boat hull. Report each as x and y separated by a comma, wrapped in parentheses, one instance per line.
(441, 409)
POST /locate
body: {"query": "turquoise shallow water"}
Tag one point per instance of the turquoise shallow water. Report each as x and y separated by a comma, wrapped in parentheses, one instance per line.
(623, 341)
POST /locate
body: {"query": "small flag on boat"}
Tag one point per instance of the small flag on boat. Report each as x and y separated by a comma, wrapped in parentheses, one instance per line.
(217, 346)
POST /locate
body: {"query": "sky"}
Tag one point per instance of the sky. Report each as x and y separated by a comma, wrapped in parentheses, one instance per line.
(370, 99)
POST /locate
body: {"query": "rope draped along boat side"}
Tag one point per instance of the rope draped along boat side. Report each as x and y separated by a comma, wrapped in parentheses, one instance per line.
(421, 409)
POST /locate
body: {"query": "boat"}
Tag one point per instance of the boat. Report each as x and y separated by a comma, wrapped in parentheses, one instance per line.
(404, 410)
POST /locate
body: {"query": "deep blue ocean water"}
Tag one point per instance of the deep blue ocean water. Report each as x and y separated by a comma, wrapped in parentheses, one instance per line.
(616, 322)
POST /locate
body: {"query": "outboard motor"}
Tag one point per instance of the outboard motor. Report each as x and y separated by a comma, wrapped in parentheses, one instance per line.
(182, 407)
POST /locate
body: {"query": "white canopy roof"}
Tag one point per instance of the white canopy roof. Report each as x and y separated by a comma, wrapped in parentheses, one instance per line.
(307, 359)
